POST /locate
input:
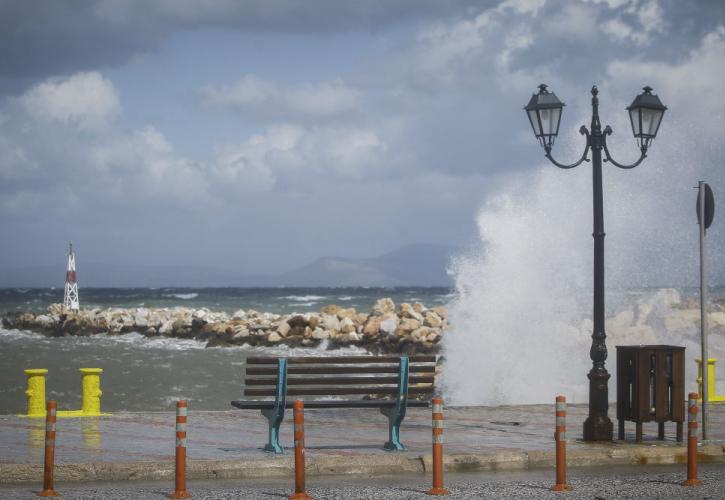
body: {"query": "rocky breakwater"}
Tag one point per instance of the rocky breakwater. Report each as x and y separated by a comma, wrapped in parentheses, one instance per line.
(408, 328)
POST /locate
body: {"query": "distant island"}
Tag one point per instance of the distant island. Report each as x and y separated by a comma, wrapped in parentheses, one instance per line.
(420, 264)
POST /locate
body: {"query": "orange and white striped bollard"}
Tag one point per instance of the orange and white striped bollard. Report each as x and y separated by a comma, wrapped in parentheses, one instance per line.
(560, 437)
(50, 419)
(298, 410)
(181, 414)
(437, 431)
(692, 442)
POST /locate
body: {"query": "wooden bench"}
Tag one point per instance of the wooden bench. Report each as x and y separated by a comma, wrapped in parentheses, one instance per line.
(389, 383)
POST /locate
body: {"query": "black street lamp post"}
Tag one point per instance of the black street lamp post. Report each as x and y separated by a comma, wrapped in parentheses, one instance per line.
(646, 111)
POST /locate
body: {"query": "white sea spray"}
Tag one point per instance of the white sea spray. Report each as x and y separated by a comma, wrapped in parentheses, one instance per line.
(521, 313)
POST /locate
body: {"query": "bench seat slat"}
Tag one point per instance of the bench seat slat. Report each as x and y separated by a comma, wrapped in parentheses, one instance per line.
(323, 370)
(413, 379)
(257, 360)
(357, 403)
(336, 391)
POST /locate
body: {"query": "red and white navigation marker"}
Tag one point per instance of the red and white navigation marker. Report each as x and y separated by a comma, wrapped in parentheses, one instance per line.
(70, 297)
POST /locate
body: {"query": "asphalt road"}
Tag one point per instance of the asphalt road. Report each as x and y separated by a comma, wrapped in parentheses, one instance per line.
(640, 482)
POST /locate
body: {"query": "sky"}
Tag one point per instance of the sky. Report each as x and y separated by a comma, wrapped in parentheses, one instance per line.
(260, 135)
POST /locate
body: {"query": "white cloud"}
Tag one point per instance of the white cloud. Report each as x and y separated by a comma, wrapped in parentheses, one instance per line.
(288, 154)
(522, 6)
(572, 23)
(612, 4)
(442, 48)
(142, 163)
(271, 99)
(638, 23)
(92, 162)
(85, 99)
(700, 74)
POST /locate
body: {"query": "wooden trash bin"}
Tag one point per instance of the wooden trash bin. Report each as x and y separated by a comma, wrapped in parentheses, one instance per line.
(651, 387)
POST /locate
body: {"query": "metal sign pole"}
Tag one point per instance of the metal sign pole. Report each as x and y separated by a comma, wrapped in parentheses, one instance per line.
(703, 314)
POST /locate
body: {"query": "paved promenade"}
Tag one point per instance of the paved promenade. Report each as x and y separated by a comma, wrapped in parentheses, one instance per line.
(227, 444)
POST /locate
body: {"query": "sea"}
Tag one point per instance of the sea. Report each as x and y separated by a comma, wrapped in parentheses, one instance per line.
(496, 342)
(151, 374)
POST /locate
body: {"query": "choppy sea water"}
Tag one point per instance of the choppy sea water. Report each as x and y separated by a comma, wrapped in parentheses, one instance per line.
(150, 374)
(277, 300)
(144, 374)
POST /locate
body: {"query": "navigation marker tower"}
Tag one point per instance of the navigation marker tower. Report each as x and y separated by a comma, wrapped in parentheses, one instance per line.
(70, 297)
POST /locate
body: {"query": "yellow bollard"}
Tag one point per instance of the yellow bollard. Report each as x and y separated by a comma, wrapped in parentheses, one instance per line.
(712, 397)
(91, 389)
(36, 392)
(91, 382)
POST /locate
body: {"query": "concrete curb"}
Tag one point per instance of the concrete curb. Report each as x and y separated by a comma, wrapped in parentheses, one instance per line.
(270, 467)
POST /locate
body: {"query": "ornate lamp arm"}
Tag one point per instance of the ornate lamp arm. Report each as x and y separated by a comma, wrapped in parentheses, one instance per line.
(583, 130)
(643, 155)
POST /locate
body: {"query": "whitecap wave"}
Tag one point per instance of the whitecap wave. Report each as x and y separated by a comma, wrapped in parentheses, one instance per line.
(304, 298)
(15, 334)
(183, 296)
(168, 343)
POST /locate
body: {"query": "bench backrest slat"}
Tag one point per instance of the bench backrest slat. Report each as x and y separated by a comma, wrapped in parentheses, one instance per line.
(337, 391)
(321, 360)
(322, 370)
(271, 381)
(335, 376)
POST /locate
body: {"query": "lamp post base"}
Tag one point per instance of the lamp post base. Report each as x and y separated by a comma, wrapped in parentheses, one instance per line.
(598, 428)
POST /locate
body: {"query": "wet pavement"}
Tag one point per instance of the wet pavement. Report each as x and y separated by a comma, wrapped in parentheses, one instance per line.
(240, 434)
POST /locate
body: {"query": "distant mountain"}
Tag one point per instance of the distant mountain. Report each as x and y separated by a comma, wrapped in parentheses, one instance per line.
(411, 265)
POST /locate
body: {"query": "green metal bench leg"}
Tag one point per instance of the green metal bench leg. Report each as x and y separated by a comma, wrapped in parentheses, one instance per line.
(275, 415)
(394, 420)
(396, 414)
(274, 419)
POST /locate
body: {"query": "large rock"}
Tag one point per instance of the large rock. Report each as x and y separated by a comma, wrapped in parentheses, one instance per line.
(389, 324)
(313, 321)
(406, 326)
(372, 327)
(682, 320)
(349, 313)
(320, 334)
(407, 311)
(383, 307)
(717, 319)
(347, 326)
(441, 311)
(55, 309)
(167, 328)
(298, 321)
(45, 321)
(432, 320)
(283, 328)
(330, 322)
(240, 332)
(420, 334)
(330, 309)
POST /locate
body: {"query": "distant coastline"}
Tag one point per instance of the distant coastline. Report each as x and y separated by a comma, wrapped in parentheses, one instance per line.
(416, 265)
